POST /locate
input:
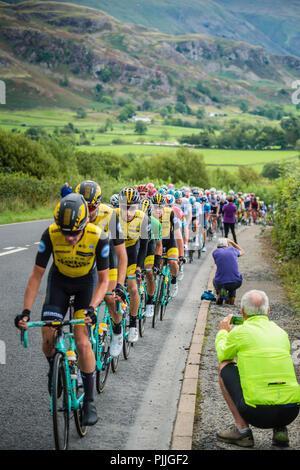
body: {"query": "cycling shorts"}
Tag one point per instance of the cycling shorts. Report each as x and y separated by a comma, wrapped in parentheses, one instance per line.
(113, 262)
(170, 247)
(59, 290)
(149, 260)
(132, 255)
(214, 210)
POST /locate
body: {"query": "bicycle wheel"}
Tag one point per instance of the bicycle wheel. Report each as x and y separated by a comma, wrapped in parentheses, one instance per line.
(81, 430)
(157, 302)
(141, 314)
(60, 403)
(165, 294)
(126, 343)
(115, 364)
(103, 365)
(191, 255)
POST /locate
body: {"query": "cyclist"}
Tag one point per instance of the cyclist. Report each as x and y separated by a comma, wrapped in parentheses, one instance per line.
(170, 201)
(78, 248)
(114, 200)
(135, 227)
(143, 191)
(196, 218)
(107, 219)
(206, 215)
(153, 256)
(214, 201)
(171, 237)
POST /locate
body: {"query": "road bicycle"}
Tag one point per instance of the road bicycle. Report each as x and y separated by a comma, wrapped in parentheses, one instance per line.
(66, 396)
(101, 346)
(142, 290)
(163, 289)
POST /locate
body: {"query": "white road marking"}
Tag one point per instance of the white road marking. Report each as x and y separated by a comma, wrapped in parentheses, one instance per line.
(12, 251)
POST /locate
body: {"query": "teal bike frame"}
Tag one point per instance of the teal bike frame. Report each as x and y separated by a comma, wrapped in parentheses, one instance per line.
(72, 401)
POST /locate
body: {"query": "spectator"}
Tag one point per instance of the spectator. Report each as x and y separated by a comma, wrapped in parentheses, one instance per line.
(65, 190)
(229, 211)
(227, 275)
(261, 389)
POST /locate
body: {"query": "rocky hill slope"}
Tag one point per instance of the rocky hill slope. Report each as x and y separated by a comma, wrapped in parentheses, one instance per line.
(55, 54)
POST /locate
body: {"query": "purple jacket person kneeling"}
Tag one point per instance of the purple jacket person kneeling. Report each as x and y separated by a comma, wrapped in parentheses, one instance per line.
(227, 275)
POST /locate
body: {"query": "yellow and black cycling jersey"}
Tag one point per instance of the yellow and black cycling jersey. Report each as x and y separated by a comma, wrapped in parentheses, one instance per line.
(169, 223)
(136, 234)
(108, 220)
(135, 229)
(76, 261)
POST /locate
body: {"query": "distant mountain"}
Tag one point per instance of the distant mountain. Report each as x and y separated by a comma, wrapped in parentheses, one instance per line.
(66, 55)
(271, 24)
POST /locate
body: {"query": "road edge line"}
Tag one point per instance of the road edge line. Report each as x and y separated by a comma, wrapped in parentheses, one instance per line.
(182, 435)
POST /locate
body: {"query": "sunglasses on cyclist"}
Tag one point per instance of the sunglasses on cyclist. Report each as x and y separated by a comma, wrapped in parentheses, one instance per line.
(92, 207)
(71, 234)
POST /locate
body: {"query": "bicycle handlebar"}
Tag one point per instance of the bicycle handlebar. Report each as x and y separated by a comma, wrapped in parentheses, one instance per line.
(49, 323)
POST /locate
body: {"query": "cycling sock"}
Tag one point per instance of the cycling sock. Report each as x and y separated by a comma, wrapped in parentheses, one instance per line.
(150, 299)
(132, 322)
(173, 280)
(88, 385)
(50, 360)
(117, 328)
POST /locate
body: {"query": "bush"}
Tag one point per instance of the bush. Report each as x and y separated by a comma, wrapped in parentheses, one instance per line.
(287, 218)
(20, 154)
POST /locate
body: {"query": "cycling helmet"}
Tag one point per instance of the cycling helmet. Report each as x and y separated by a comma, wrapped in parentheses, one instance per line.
(129, 196)
(147, 207)
(71, 213)
(178, 195)
(212, 190)
(150, 187)
(91, 192)
(114, 200)
(158, 199)
(170, 199)
(192, 200)
(142, 188)
(203, 199)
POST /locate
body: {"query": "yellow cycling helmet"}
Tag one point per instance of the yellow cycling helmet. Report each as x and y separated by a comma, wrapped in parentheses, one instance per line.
(71, 213)
(91, 192)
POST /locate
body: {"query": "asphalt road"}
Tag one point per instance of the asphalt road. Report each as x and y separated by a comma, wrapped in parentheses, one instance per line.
(138, 406)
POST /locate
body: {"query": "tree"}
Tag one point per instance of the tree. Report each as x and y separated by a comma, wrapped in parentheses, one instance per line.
(140, 128)
(271, 170)
(127, 112)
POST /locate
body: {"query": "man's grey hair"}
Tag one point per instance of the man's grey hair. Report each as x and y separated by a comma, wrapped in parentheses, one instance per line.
(255, 302)
(222, 242)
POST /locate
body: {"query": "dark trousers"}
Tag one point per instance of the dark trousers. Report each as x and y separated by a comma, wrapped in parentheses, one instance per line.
(228, 226)
(230, 286)
(261, 416)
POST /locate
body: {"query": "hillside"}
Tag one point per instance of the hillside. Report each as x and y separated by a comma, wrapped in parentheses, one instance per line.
(55, 54)
(271, 24)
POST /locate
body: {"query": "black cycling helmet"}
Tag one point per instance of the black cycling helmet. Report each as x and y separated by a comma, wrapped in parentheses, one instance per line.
(158, 199)
(129, 196)
(91, 192)
(71, 213)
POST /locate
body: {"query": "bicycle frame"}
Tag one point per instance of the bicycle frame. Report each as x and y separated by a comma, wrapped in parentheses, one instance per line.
(73, 401)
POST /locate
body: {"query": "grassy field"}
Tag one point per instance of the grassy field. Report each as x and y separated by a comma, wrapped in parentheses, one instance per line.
(159, 139)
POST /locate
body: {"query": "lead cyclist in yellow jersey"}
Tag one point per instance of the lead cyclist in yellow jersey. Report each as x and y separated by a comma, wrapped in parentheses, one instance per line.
(107, 219)
(78, 248)
(135, 228)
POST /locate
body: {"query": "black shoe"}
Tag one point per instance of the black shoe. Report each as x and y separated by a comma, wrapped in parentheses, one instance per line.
(280, 437)
(89, 414)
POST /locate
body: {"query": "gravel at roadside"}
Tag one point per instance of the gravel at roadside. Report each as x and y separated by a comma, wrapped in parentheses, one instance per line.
(212, 414)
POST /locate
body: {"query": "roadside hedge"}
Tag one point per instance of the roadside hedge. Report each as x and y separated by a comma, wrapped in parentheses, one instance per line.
(287, 218)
